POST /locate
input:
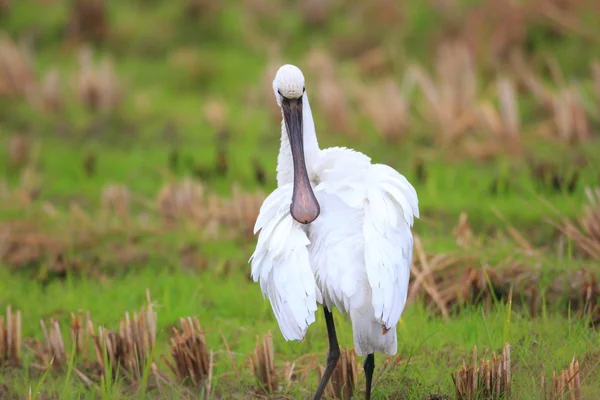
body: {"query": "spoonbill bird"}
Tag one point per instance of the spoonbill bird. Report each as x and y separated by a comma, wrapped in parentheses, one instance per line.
(335, 232)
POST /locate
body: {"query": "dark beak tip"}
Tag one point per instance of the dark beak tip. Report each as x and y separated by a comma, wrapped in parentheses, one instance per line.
(308, 221)
(305, 215)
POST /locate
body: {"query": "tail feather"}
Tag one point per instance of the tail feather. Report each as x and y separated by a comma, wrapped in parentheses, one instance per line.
(370, 335)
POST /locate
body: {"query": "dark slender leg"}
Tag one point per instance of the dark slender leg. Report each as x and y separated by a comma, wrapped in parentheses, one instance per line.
(369, 368)
(332, 357)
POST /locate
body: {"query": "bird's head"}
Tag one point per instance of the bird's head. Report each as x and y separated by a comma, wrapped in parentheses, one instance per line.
(288, 83)
(289, 90)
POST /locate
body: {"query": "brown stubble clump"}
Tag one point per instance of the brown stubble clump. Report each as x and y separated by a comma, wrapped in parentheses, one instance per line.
(263, 364)
(10, 338)
(50, 353)
(446, 281)
(96, 84)
(344, 377)
(17, 74)
(585, 232)
(130, 349)
(489, 379)
(566, 384)
(88, 21)
(191, 361)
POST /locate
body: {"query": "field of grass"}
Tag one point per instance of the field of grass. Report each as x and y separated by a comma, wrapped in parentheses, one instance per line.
(138, 140)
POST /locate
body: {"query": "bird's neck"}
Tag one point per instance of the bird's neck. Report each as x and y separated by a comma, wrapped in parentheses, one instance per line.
(285, 168)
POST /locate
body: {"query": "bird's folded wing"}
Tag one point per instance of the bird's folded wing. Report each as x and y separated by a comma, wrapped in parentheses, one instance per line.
(390, 205)
(281, 264)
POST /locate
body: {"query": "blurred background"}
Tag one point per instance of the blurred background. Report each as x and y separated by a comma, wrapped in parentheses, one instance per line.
(144, 91)
(139, 138)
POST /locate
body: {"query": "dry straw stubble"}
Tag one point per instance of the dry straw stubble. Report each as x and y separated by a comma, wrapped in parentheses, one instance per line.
(10, 338)
(488, 379)
(17, 75)
(585, 232)
(566, 385)
(131, 348)
(263, 363)
(344, 377)
(189, 201)
(191, 360)
(96, 84)
(51, 352)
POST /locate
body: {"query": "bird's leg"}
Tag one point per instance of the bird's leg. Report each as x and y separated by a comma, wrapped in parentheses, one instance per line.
(369, 368)
(333, 355)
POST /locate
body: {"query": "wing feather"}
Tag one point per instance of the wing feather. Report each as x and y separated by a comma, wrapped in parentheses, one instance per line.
(281, 264)
(390, 207)
(390, 204)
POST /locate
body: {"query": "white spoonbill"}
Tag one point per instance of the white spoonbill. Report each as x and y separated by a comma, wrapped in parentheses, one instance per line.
(335, 232)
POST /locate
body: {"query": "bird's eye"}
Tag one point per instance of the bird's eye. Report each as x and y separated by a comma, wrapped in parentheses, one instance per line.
(279, 92)
(303, 89)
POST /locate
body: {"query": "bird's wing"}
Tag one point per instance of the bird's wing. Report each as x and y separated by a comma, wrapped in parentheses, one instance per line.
(281, 264)
(390, 205)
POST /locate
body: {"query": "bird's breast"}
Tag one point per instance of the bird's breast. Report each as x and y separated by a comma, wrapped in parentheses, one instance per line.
(337, 252)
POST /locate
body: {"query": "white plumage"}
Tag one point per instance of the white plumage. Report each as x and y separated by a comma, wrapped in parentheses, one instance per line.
(356, 255)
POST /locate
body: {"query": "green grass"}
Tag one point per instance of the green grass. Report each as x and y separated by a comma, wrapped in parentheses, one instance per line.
(228, 307)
